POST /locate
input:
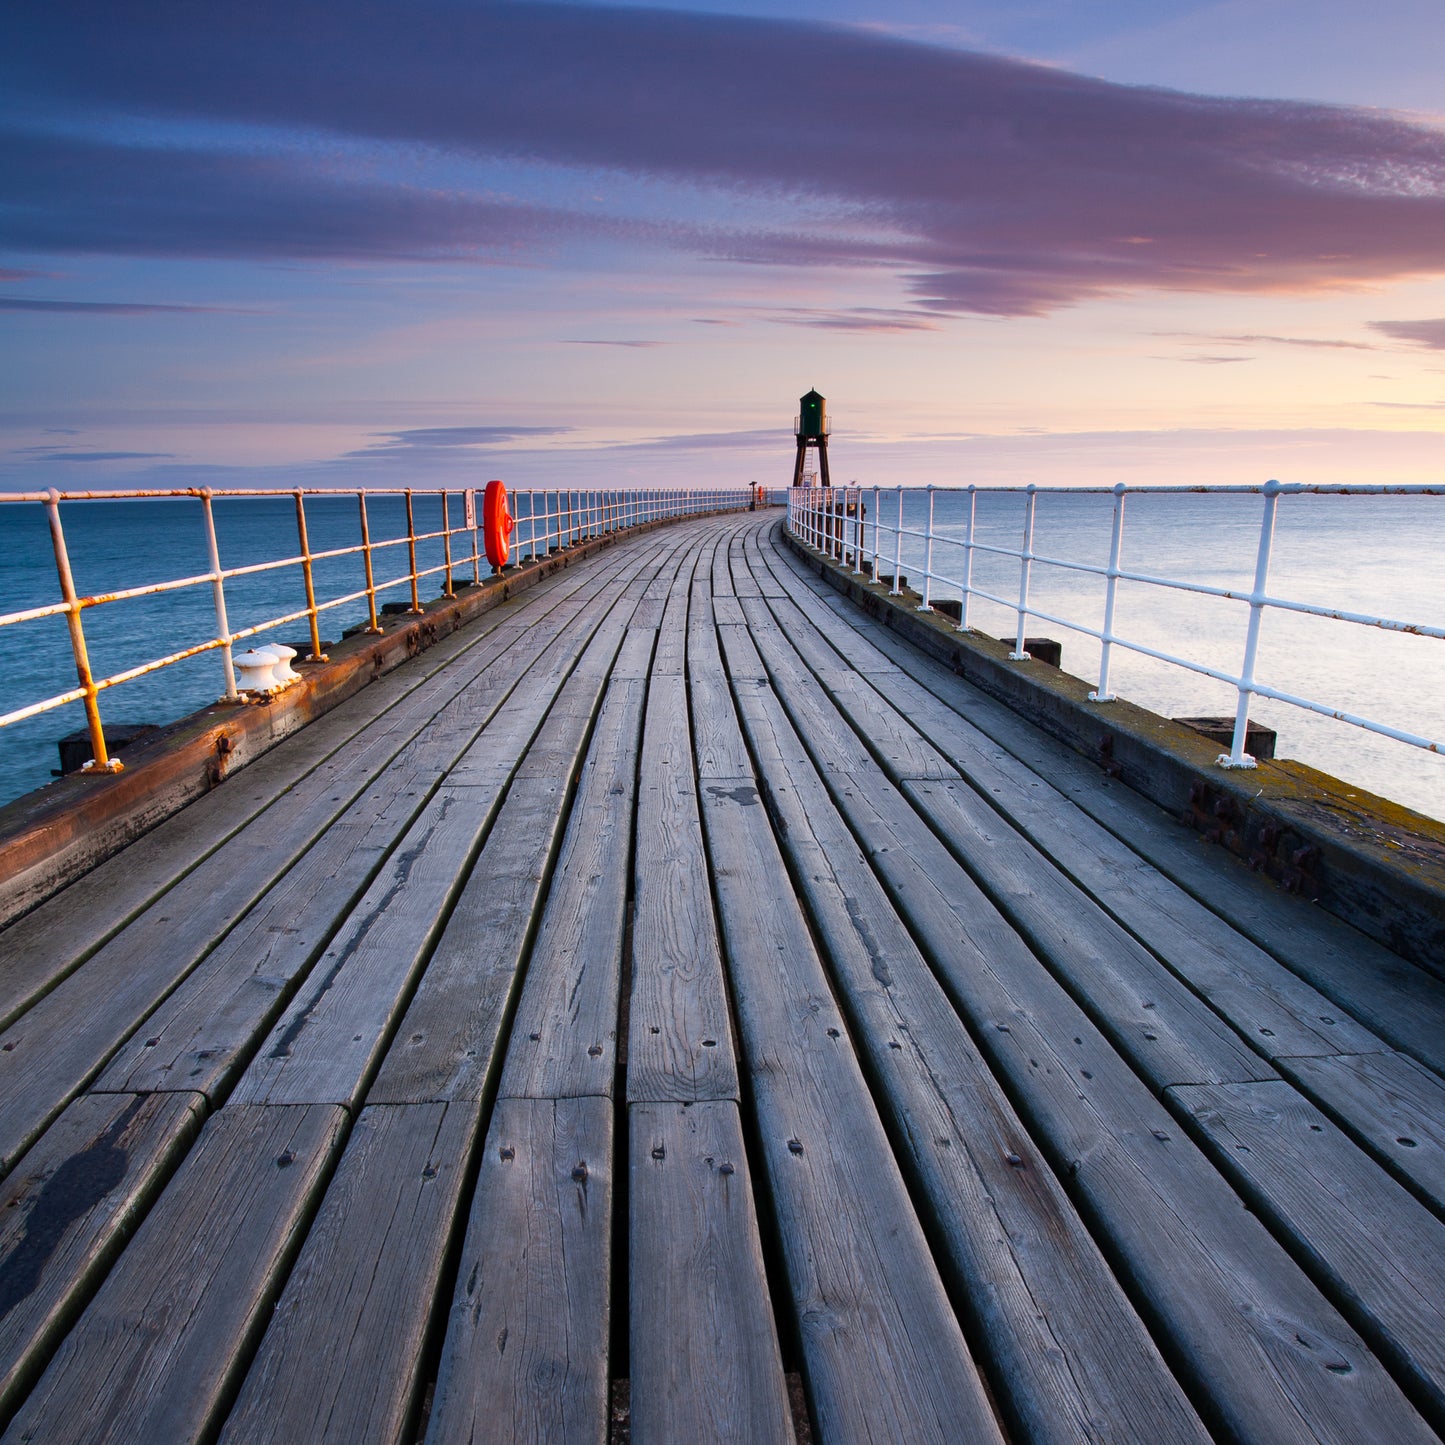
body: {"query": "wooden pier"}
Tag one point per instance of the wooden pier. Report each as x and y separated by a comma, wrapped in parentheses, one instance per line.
(673, 1004)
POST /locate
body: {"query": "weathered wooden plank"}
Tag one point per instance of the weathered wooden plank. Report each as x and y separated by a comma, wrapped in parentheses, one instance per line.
(335, 752)
(1116, 978)
(206, 1031)
(1168, 1032)
(634, 657)
(1211, 1279)
(722, 577)
(884, 1355)
(1071, 1360)
(1391, 1105)
(717, 744)
(698, 1290)
(526, 1350)
(52, 1050)
(1370, 1244)
(819, 656)
(832, 743)
(670, 657)
(367, 1275)
(564, 1036)
(680, 1043)
(57, 935)
(728, 610)
(157, 1352)
(326, 1045)
(757, 547)
(1400, 1002)
(744, 583)
(68, 1211)
(1276, 1011)
(202, 1035)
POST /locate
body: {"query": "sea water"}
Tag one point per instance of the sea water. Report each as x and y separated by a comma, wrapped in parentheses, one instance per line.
(1375, 555)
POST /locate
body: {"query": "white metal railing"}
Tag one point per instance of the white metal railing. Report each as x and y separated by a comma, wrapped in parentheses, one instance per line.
(859, 527)
(545, 521)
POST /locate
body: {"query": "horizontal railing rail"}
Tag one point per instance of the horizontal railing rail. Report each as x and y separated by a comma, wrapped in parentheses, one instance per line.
(860, 527)
(545, 521)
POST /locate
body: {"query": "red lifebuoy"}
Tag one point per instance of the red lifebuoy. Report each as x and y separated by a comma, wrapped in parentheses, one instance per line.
(497, 523)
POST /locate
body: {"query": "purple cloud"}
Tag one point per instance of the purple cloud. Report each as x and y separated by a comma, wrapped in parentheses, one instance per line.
(1306, 341)
(446, 438)
(48, 454)
(1424, 333)
(102, 308)
(857, 318)
(709, 441)
(91, 196)
(993, 186)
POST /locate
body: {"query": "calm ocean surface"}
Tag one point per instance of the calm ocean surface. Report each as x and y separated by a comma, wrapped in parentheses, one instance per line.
(1375, 555)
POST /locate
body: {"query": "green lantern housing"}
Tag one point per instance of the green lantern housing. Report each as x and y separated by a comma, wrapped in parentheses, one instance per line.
(811, 428)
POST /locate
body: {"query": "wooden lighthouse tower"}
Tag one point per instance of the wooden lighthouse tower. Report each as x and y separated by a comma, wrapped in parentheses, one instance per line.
(812, 430)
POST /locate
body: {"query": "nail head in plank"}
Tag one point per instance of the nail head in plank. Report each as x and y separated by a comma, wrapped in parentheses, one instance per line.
(1392, 1104)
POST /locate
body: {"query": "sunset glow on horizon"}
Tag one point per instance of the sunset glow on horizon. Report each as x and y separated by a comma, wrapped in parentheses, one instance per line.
(313, 243)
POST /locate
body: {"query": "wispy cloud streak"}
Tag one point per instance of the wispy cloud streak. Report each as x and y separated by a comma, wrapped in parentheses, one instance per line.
(1430, 334)
(107, 308)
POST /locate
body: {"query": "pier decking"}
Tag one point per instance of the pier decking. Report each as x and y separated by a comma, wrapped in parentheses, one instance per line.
(674, 997)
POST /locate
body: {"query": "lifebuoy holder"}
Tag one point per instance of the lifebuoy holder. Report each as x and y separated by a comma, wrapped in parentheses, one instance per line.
(497, 524)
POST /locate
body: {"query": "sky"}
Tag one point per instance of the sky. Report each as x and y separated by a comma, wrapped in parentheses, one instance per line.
(430, 242)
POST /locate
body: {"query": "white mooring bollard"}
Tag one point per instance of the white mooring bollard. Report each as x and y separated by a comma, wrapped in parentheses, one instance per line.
(256, 672)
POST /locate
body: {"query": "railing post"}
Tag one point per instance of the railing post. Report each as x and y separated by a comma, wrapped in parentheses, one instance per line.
(928, 555)
(877, 522)
(447, 589)
(1111, 588)
(372, 625)
(895, 589)
(1236, 757)
(102, 762)
(218, 592)
(471, 504)
(1026, 558)
(968, 558)
(316, 654)
(411, 553)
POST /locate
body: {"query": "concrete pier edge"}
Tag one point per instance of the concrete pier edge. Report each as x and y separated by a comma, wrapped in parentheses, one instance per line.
(1373, 863)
